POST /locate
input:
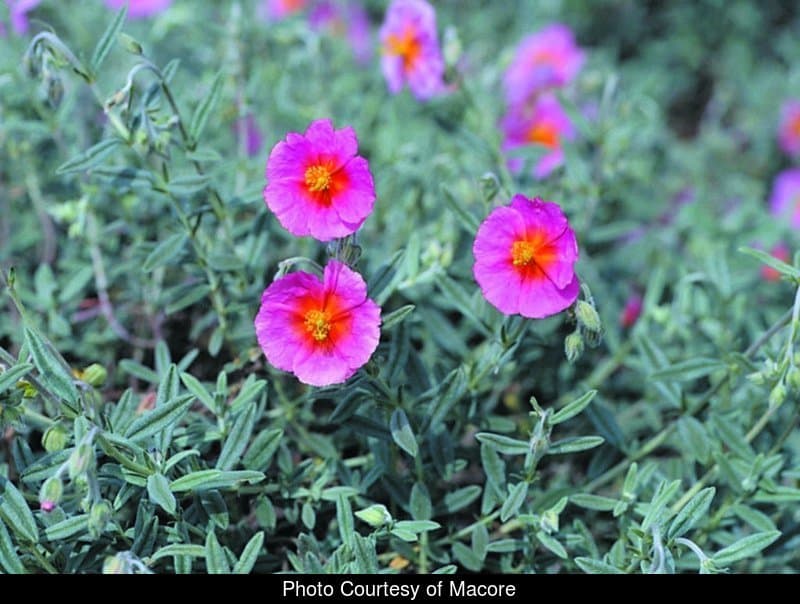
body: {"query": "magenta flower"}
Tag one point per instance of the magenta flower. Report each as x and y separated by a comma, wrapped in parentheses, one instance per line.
(545, 125)
(789, 130)
(630, 314)
(525, 254)
(248, 128)
(547, 59)
(782, 253)
(140, 9)
(18, 12)
(317, 185)
(411, 52)
(785, 199)
(345, 19)
(275, 10)
(322, 331)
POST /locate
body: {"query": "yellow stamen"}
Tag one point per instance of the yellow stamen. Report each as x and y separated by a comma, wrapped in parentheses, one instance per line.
(523, 253)
(318, 178)
(318, 324)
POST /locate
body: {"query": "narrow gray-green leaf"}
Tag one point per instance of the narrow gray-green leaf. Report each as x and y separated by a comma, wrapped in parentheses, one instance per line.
(214, 479)
(9, 559)
(504, 444)
(194, 386)
(468, 221)
(770, 260)
(515, 499)
(402, 434)
(743, 548)
(159, 418)
(461, 498)
(420, 502)
(574, 444)
(417, 526)
(90, 158)
(593, 502)
(344, 518)
(107, 39)
(574, 408)
(249, 391)
(466, 557)
(13, 374)
(165, 252)
(249, 555)
(597, 567)
(237, 439)
(160, 493)
(690, 369)
(261, 450)
(396, 316)
(205, 108)
(51, 371)
(67, 528)
(552, 544)
(188, 184)
(14, 511)
(691, 513)
(216, 560)
(179, 549)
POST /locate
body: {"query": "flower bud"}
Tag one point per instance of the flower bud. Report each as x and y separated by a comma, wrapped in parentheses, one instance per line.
(452, 47)
(490, 185)
(778, 395)
(55, 438)
(99, 515)
(587, 316)
(549, 521)
(756, 378)
(81, 460)
(375, 515)
(50, 494)
(573, 346)
(114, 565)
(95, 375)
(131, 45)
(793, 378)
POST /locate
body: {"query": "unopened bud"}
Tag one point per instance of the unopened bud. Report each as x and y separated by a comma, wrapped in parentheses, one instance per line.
(375, 515)
(490, 185)
(50, 494)
(81, 460)
(114, 565)
(793, 378)
(99, 516)
(55, 438)
(131, 45)
(778, 395)
(756, 378)
(549, 521)
(452, 46)
(587, 316)
(573, 346)
(95, 375)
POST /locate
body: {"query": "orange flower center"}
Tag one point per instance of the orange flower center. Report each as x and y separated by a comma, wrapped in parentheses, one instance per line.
(794, 126)
(292, 5)
(406, 46)
(318, 178)
(318, 324)
(523, 253)
(543, 134)
(532, 254)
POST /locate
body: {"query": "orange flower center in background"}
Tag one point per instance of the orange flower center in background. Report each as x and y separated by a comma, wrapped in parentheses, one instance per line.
(318, 324)
(291, 6)
(544, 134)
(794, 125)
(318, 178)
(405, 45)
(531, 255)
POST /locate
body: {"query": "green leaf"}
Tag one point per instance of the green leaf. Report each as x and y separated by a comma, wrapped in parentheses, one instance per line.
(67, 528)
(480, 541)
(90, 158)
(466, 557)
(402, 434)
(157, 419)
(694, 439)
(159, 492)
(344, 518)
(690, 369)
(449, 569)
(597, 567)
(216, 560)
(262, 449)
(237, 439)
(138, 370)
(179, 549)
(189, 184)
(16, 513)
(420, 502)
(512, 503)
(407, 536)
(214, 479)
(574, 444)
(758, 520)
(785, 269)
(205, 108)
(552, 544)
(51, 371)
(249, 391)
(396, 316)
(12, 375)
(9, 560)
(468, 221)
(572, 409)
(691, 513)
(364, 552)
(249, 555)
(504, 444)
(748, 546)
(107, 39)
(593, 502)
(165, 252)
(190, 296)
(194, 386)
(494, 468)
(417, 526)
(664, 493)
(461, 498)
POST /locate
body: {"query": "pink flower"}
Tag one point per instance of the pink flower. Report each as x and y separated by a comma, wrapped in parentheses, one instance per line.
(411, 52)
(544, 125)
(630, 314)
(346, 19)
(140, 9)
(525, 254)
(275, 10)
(544, 60)
(18, 12)
(317, 185)
(785, 199)
(781, 252)
(322, 331)
(789, 130)
(248, 127)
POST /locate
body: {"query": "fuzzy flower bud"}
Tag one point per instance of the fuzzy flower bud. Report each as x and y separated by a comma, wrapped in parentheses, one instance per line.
(587, 316)
(778, 395)
(81, 460)
(375, 515)
(55, 438)
(99, 515)
(573, 346)
(95, 375)
(50, 494)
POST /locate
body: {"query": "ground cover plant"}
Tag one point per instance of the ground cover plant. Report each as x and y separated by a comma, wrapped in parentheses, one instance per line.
(399, 286)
